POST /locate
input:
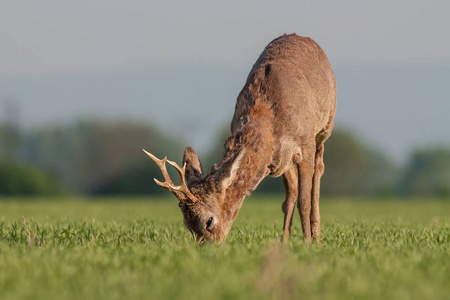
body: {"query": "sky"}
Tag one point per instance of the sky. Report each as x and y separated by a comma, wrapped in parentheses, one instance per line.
(181, 64)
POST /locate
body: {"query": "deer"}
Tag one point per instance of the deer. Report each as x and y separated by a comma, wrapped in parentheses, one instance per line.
(283, 116)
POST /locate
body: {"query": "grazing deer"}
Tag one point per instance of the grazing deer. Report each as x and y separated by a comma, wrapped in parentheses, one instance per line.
(283, 116)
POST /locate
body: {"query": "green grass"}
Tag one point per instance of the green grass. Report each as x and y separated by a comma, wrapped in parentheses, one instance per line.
(138, 249)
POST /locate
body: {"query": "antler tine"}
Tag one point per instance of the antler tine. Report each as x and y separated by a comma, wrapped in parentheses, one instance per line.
(162, 165)
(182, 172)
(168, 184)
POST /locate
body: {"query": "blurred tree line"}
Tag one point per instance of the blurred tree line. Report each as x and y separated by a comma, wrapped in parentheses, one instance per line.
(89, 157)
(105, 158)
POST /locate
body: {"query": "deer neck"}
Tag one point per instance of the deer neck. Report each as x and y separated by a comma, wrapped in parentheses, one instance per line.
(252, 169)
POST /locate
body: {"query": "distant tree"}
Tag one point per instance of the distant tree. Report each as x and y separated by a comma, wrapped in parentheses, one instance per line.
(346, 165)
(18, 179)
(110, 156)
(137, 180)
(427, 173)
(53, 149)
(353, 168)
(100, 156)
(384, 174)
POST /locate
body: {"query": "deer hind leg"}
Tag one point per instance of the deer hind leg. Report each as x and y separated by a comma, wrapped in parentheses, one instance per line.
(290, 180)
(319, 169)
(306, 173)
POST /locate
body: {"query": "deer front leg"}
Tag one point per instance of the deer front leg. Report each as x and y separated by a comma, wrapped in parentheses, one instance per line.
(290, 180)
(306, 172)
(319, 169)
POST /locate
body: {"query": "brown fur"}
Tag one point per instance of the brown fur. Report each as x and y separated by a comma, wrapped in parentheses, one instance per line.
(283, 116)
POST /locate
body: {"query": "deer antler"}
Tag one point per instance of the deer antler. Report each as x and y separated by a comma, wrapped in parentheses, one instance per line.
(181, 191)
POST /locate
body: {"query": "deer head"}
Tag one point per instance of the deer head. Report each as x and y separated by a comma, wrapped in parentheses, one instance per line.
(207, 214)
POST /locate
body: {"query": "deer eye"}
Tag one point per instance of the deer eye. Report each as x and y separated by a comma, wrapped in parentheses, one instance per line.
(208, 223)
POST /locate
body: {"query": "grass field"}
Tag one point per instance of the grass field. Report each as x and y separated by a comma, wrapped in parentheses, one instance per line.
(138, 249)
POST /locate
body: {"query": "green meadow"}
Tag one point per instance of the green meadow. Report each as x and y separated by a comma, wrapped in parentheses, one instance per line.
(137, 248)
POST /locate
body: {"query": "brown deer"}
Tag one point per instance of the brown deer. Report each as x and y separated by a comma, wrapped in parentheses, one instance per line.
(283, 116)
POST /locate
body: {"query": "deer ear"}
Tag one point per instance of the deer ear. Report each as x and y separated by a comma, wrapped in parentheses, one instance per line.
(228, 172)
(194, 171)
